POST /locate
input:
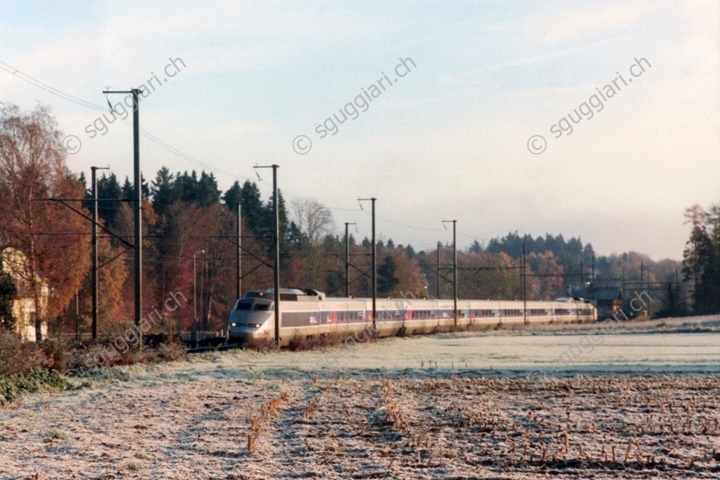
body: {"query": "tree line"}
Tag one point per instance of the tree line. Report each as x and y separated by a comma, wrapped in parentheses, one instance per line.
(701, 258)
(189, 231)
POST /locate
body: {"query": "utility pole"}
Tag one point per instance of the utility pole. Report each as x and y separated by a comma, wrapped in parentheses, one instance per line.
(623, 289)
(455, 294)
(276, 276)
(347, 259)
(94, 279)
(374, 261)
(238, 292)
(524, 277)
(77, 317)
(438, 270)
(642, 275)
(195, 312)
(138, 203)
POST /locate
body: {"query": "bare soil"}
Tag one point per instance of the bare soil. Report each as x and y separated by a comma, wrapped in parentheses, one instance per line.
(152, 424)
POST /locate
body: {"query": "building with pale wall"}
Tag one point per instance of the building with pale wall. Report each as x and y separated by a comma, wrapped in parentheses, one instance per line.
(14, 262)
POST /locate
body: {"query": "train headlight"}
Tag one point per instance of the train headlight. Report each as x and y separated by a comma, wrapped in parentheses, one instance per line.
(233, 324)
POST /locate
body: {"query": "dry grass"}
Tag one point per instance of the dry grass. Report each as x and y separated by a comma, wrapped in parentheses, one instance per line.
(377, 426)
(259, 423)
(20, 358)
(17, 357)
(331, 339)
(97, 355)
(260, 343)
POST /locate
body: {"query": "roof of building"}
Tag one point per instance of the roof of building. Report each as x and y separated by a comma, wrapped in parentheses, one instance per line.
(591, 292)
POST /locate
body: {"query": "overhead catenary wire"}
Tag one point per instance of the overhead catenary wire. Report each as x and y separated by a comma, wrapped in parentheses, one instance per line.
(79, 101)
(175, 151)
(43, 86)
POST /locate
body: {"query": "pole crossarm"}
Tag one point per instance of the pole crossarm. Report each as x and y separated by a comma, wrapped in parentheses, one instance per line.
(230, 238)
(264, 262)
(257, 267)
(364, 273)
(114, 258)
(89, 219)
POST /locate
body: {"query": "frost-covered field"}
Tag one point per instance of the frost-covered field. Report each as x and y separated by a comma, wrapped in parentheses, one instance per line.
(447, 406)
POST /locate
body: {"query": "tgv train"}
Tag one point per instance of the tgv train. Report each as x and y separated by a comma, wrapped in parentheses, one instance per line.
(308, 313)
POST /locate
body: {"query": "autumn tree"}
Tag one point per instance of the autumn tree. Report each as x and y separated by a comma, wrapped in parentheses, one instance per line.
(548, 276)
(485, 275)
(314, 222)
(112, 277)
(32, 167)
(407, 272)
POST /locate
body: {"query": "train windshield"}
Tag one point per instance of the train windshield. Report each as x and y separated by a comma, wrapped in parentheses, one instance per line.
(254, 305)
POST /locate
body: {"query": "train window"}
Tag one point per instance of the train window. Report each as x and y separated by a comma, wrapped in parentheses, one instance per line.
(243, 306)
(261, 307)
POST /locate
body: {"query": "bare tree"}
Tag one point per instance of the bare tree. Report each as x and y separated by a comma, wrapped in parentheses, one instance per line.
(32, 167)
(315, 222)
(313, 219)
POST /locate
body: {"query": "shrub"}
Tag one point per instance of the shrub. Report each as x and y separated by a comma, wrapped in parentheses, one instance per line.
(298, 342)
(168, 352)
(33, 381)
(17, 357)
(105, 354)
(329, 339)
(56, 354)
(261, 343)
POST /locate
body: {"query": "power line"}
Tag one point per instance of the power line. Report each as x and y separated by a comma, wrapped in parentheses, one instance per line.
(43, 86)
(161, 143)
(79, 101)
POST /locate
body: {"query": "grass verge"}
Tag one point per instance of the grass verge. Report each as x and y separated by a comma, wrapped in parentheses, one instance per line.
(33, 381)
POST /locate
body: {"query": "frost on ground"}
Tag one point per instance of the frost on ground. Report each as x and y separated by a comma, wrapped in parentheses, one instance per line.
(368, 426)
(443, 406)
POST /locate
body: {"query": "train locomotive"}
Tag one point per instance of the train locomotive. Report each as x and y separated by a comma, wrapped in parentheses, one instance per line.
(308, 313)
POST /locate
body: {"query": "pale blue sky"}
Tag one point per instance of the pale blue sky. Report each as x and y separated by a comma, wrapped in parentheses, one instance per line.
(448, 140)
